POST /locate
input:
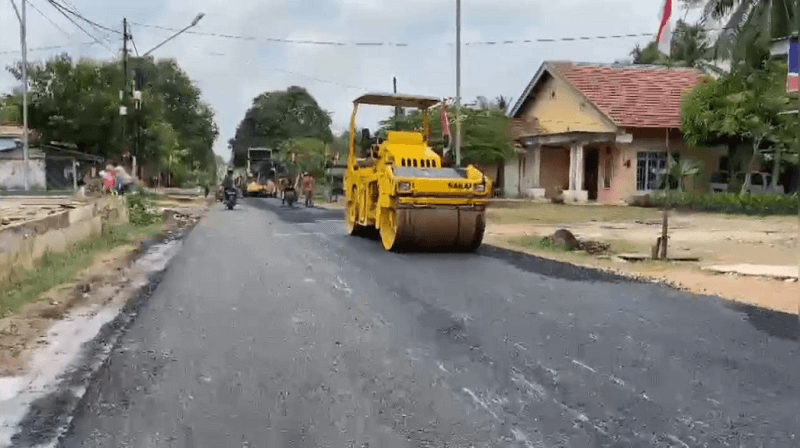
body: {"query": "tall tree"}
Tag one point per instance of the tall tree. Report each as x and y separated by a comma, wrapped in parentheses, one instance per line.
(279, 116)
(78, 102)
(486, 135)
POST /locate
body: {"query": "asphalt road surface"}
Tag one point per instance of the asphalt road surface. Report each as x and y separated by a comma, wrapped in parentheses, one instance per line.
(274, 329)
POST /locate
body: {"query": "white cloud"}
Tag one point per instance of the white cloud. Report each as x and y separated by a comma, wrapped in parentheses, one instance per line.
(231, 72)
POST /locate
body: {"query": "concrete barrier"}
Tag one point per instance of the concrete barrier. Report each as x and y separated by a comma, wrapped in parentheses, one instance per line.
(23, 244)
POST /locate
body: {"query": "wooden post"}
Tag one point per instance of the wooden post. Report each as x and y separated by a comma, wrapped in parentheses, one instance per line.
(665, 221)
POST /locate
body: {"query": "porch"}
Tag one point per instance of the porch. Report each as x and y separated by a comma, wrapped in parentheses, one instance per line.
(577, 165)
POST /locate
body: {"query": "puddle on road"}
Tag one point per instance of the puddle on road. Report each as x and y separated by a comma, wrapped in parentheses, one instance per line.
(61, 356)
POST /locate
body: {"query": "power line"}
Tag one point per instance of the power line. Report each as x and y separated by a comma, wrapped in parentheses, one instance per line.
(326, 81)
(130, 36)
(77, 14)
(52, 47)
(400, 44)
(49, 20)
(58, 8)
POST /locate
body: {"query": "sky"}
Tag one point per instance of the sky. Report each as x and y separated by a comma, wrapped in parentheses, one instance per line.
(232, 71)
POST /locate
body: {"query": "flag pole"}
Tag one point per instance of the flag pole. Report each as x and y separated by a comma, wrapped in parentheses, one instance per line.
(665, 218)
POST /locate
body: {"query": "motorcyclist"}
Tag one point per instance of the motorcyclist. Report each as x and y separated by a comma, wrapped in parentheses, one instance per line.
(308, 187)
(227, 181)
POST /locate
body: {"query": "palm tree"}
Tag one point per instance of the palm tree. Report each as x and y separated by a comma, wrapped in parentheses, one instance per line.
(735, 16)
(503, 103)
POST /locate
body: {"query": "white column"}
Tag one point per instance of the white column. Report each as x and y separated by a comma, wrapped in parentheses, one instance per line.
(537, 163)
(74, 175)
(572, 159)
(579, 167)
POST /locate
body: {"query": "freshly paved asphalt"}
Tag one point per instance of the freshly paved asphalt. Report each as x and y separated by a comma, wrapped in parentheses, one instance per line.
(274, 329)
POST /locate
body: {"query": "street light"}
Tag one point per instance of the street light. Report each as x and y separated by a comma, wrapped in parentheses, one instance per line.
(194, 22)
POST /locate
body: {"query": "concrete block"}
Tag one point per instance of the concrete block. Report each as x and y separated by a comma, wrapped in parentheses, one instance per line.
(82, 213)
(536, 193)
(580, 196)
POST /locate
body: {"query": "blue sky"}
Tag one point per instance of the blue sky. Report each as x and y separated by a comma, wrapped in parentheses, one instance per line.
(231, 72)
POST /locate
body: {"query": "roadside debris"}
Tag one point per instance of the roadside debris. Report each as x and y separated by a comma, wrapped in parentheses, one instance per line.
(566, 239)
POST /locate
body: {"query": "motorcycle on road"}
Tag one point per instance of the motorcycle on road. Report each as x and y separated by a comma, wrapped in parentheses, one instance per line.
(230, 198)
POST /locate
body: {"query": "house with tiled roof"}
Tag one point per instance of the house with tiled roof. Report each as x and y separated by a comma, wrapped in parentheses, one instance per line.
(601, 132)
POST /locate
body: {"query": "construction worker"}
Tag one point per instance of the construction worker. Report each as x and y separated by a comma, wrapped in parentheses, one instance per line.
(308, 187)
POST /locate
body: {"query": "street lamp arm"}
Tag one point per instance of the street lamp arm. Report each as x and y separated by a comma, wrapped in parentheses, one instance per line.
(194, 22)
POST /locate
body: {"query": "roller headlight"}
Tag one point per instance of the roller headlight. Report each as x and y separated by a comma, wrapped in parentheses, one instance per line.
(404, 187)
(480, 188)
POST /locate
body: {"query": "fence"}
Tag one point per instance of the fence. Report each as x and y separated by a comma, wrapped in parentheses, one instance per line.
(64, 173)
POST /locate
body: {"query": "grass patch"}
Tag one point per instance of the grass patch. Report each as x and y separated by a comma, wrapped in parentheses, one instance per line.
(142, 209)
(56, 269)
(559, 214)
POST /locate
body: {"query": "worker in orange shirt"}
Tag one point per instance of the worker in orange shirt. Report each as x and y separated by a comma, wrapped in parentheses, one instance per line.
(308, 188)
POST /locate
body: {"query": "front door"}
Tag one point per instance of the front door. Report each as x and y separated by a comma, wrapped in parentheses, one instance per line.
(591, 172)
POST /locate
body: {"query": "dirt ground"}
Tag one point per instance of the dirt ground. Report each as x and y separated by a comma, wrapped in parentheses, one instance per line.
(713, 238)
(103, 281)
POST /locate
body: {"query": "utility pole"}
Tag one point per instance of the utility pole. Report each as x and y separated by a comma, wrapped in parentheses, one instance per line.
(23, 35)
(125, 85)
(458, 82)
(396, 109)
(665, 219)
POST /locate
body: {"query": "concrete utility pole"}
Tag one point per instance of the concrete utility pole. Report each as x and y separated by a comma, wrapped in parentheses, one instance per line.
(125, 85)
(396, 109)
(665, 220)
(23, 34)
(458, 83)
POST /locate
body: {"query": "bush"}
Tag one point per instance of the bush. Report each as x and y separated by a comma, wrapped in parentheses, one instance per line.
(141, 209)
(732, 203)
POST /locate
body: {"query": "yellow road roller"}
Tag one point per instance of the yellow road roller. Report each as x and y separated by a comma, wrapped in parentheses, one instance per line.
(400, 187)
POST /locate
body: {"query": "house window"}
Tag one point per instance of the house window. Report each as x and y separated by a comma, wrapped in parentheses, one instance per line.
(648, 165)
(607, 167)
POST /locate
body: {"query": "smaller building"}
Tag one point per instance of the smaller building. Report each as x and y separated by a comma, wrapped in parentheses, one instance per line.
(600, 132)
(12, 161)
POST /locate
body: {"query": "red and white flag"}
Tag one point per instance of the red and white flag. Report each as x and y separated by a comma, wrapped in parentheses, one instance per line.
(666, 28)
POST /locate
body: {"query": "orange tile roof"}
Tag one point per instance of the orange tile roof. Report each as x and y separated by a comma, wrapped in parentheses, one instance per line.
(634, 95)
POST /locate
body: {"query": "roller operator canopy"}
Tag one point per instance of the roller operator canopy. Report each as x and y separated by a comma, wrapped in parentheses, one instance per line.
(388, 99)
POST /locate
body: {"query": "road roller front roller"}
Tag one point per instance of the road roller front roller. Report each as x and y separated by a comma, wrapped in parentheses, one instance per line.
(399, 187)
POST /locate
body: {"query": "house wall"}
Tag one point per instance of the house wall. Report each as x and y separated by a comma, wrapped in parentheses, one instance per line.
(624, 163)
(560, 108)
(554, 168)
(12, 174)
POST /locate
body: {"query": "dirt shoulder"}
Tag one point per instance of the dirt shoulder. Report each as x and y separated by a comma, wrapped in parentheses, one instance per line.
(713, 238)
(100, 279)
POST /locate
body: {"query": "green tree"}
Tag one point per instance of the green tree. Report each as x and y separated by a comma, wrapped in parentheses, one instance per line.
(688, 49)
(741, 110)
(277, 117)
(75, 102)
(78, 102)
(309, 155)
(486, 137)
